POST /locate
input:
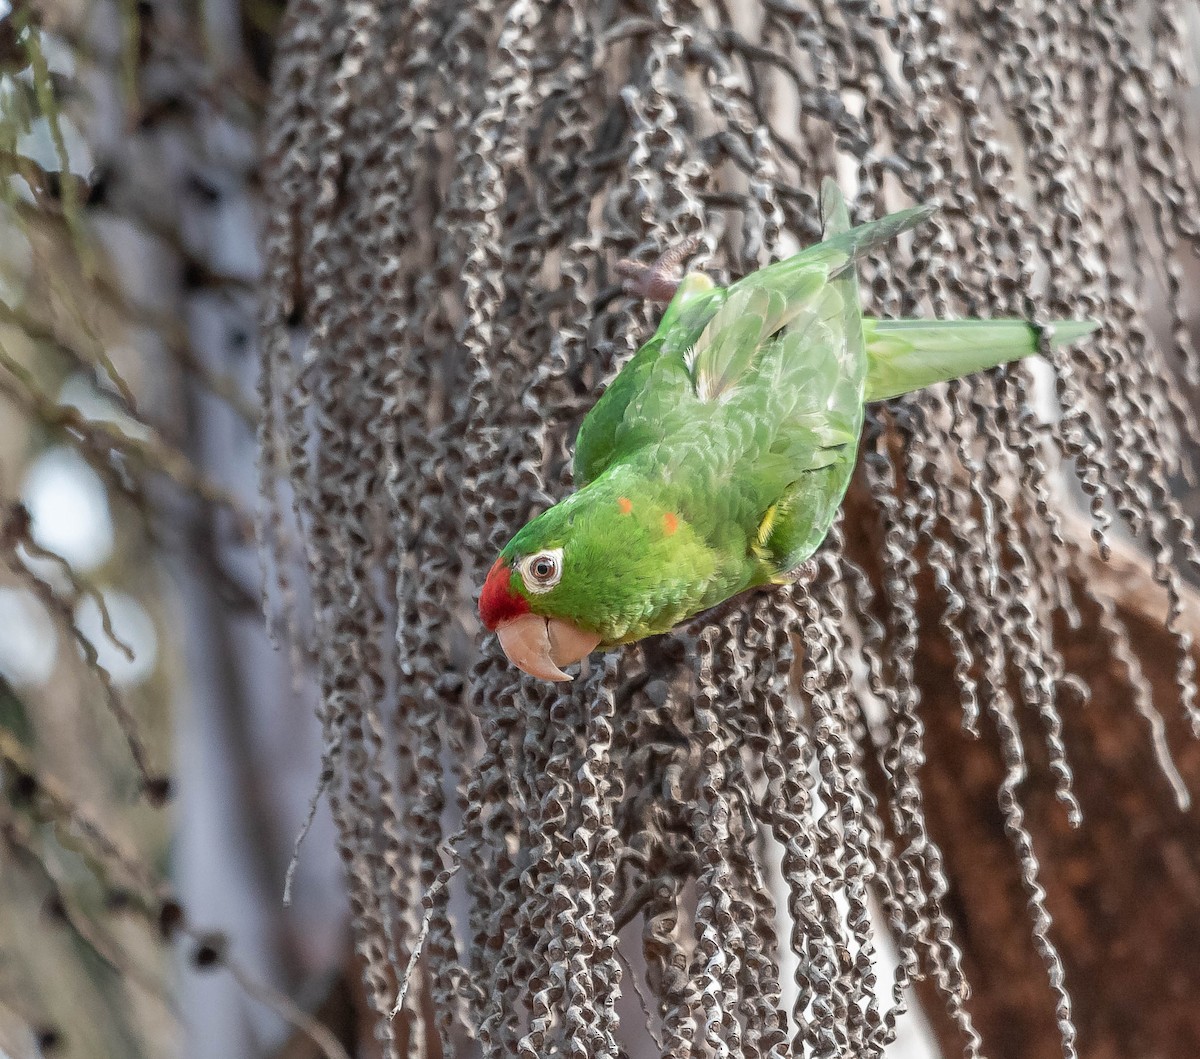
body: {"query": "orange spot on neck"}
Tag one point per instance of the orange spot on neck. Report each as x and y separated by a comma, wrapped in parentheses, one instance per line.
(625, 504)
(670, 523)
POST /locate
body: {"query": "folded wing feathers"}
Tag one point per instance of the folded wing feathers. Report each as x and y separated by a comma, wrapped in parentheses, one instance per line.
(751, 315)
(767, 301)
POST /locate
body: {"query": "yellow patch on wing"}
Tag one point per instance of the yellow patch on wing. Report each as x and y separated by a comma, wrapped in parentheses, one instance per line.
(764, 531)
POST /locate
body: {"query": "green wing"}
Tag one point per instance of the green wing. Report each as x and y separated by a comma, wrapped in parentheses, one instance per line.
(703, 347)
(772, 326)
(655, 378)
(823, 430)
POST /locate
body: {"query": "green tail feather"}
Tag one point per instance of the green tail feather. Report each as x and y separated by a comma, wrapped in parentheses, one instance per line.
(866, 237)
(842, 245)
(835, 218)
(905, 355)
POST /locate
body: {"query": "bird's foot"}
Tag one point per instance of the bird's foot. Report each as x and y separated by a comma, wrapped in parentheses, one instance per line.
(659, 281)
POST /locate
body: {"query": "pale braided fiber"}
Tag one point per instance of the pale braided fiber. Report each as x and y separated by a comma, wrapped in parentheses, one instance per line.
(450, 189)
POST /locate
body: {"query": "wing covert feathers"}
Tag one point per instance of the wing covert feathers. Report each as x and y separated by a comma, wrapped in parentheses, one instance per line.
(750, 316)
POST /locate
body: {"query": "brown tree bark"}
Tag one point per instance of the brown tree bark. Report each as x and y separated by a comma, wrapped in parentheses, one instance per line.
(1123, 889)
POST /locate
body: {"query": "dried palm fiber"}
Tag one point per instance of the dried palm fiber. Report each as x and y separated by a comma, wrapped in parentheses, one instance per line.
(449, 188)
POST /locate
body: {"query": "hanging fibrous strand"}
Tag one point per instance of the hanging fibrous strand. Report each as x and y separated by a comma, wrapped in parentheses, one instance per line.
(451, 191)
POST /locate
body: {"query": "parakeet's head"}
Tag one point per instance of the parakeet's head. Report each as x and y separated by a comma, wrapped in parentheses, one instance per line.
(532, 596)
(585, 573)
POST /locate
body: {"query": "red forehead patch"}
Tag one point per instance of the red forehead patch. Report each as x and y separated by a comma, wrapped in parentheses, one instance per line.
(498, 602)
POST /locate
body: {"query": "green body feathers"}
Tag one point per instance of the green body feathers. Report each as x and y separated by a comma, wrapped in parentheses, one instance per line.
(717, 459)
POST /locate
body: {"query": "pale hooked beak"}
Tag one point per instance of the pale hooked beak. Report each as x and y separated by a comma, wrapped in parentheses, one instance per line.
(540, 645)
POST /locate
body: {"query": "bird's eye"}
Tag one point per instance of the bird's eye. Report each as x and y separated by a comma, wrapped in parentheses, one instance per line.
(541, 572)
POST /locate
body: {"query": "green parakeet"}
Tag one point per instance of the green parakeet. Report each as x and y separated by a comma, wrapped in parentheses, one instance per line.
(716, 460)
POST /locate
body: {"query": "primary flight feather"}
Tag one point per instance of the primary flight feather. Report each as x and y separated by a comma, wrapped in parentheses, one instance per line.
(716, 460)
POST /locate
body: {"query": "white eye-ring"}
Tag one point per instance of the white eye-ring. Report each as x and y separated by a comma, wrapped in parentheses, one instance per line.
(541, 571)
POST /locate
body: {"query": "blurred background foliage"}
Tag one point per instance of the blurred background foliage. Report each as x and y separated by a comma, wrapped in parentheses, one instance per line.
(128, 154)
